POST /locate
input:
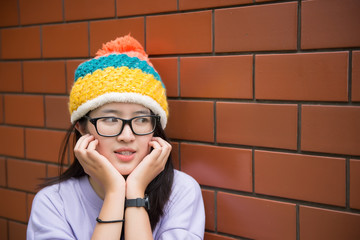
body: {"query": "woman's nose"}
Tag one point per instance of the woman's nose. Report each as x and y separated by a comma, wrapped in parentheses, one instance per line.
(126, 135)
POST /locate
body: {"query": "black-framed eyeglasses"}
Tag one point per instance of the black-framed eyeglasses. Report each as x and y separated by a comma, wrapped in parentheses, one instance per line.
(113, 126)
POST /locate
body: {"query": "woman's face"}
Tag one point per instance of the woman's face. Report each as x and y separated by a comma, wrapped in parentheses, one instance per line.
(126, 150)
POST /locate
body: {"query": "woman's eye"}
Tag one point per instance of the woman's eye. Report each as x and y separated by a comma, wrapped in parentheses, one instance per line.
(142, 120)
(109, 120)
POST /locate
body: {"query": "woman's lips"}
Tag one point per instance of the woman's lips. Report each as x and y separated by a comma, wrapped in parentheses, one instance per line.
(125, 154)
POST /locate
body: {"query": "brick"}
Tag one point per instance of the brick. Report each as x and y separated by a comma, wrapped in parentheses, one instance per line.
(71, 66)
(140, 7)
(267, 125)
(221, 167)
(44, 77)
(328, 24)
(65, 40)
(256, 28)
(11, 141)
(177, 33)
(213, 236)
(10, 77)
(304, 76)
(3, 172)
(190, 4)
(88, 9)
(52, 170)
(105, 31)
(13, 45)
(25, 175)
(168, 70)
(209, 203)
(9, 14)
(316, 223)
(29, 199)
(355, 183)
(175, 154)
(3, 229)
(330, 129)
(244, 216)
(216, 77)
(40, 11)
(355, 88)
(301, 177)
(24, 110)
(37, 140)
(57, 112)
(17, 230)
(191, 120)
(13, 204)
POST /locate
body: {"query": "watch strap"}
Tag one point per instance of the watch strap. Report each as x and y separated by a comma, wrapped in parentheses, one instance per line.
(138, 202)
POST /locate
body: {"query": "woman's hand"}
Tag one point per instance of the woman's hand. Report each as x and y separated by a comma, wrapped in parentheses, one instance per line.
(96, 165)
(148, 168)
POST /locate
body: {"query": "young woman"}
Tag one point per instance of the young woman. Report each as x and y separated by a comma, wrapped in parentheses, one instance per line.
(121, 184)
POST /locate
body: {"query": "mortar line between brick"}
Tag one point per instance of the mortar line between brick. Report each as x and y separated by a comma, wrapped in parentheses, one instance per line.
(299, 26)
(63, 10)
(297, 222)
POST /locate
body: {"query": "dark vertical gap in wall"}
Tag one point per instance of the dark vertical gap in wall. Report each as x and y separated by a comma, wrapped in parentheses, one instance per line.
(347, 191)
(299, 26)
(115, 9)
(63, 10)
(297, 222)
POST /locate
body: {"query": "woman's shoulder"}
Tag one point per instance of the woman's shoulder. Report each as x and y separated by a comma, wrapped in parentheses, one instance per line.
(54, 192)
(185, 184)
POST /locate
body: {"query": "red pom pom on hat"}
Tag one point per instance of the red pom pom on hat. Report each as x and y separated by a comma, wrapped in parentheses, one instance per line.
(122, 45)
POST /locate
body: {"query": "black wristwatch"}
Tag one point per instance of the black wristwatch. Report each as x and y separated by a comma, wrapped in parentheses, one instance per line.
(138, 202)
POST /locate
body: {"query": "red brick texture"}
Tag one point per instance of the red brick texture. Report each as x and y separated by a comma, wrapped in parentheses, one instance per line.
(264, 100)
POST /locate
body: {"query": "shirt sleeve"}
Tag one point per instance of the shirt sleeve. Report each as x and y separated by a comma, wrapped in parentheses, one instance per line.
(47, 220)
(184, 216)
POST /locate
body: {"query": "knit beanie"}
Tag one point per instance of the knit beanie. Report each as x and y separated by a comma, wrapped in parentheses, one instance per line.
(120, 72)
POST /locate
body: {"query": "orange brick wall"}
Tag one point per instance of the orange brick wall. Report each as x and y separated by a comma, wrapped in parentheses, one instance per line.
(264, 104)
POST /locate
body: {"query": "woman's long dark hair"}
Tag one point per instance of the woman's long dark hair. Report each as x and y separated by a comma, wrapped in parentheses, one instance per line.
(158, 190)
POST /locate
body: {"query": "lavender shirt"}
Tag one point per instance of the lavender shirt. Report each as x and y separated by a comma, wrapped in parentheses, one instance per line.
(70, 212)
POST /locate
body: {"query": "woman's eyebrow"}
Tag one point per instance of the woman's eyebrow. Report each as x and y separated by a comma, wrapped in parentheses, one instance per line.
(145, 111)
(142, 112)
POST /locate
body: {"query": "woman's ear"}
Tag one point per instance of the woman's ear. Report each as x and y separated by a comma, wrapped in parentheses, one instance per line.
(81, 128)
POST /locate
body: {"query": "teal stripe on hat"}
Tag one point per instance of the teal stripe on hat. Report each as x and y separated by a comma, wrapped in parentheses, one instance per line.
(115, 60)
